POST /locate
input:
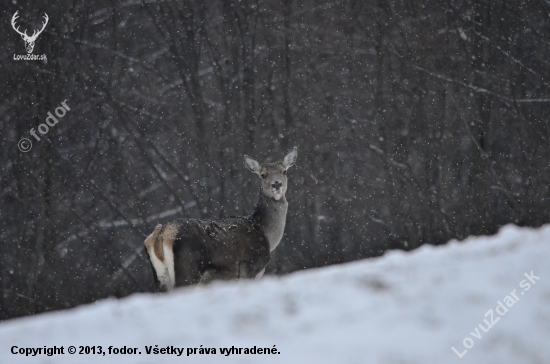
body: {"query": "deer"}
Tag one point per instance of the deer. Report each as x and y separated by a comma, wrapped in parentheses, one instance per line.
(29, 41)
(199, 251)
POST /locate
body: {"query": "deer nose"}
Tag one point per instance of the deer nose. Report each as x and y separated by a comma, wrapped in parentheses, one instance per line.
(277, 185)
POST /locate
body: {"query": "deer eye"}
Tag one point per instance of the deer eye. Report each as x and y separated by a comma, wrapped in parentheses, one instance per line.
(284, 172)
(264, 175)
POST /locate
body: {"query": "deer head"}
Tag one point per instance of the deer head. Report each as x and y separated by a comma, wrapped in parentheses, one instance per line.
(29, 41)
(273, 175)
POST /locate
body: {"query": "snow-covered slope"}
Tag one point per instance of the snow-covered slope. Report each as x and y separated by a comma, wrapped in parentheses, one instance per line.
(400, 308)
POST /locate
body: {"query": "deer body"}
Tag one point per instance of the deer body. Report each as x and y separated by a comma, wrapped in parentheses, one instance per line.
(190, 251)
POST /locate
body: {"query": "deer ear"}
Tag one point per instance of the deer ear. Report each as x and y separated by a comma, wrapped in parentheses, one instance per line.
(252, 165)
(290, 158)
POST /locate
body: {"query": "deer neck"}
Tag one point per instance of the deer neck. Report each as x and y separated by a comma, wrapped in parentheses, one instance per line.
(270, 216)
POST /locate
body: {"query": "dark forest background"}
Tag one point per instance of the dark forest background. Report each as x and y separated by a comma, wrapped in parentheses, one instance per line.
(417, 121)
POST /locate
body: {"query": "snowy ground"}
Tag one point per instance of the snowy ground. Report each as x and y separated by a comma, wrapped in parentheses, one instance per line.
(400, 308)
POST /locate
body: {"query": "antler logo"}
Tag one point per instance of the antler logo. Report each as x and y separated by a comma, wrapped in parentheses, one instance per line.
(29, 41)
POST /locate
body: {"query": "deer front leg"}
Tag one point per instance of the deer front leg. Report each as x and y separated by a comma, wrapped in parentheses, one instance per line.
(213, 274)
(251, 270)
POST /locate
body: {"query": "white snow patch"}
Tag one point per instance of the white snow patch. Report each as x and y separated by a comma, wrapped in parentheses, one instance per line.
(400, 308)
